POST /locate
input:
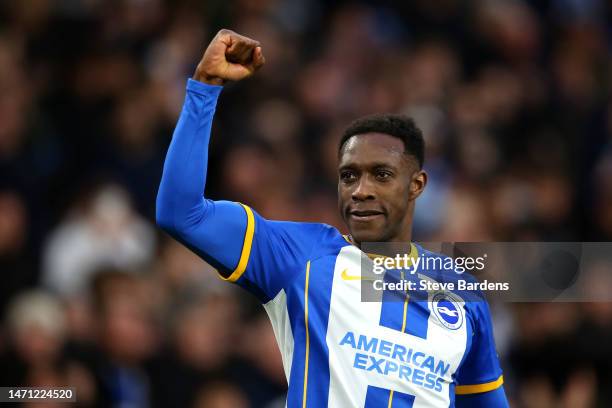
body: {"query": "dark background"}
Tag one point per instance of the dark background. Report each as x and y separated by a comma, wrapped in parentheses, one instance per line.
(514, 100)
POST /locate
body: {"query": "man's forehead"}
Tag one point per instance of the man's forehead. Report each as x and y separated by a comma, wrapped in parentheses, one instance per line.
(374, 140)
(372, 146)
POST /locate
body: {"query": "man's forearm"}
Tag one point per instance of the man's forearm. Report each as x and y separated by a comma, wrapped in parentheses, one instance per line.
(215, 230)
(180, 198)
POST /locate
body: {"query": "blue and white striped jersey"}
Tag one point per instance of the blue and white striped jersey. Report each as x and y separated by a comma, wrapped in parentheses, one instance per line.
(337, 350)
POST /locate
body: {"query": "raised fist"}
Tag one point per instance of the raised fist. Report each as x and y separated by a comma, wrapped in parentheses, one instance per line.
(229, 57)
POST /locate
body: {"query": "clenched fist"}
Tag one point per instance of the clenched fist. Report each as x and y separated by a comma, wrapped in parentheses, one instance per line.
(229, 57)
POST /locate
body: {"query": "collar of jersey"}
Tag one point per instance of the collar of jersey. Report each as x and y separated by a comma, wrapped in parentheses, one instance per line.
(414, 251)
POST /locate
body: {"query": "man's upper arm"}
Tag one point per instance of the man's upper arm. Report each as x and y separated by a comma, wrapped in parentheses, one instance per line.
(274, 253)
(257, 254)
(217, 234)
(480, 372)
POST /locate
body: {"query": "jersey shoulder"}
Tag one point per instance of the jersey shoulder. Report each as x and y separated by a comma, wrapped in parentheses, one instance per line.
(329, 241)
(316, 239)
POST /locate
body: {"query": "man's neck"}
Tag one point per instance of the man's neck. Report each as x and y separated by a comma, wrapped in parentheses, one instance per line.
(352, 241)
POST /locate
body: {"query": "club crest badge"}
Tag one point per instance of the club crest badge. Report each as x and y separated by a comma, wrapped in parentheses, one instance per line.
(448, 310)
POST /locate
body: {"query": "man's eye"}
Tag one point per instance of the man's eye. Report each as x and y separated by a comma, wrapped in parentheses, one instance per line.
(383, 175)
(347, 176)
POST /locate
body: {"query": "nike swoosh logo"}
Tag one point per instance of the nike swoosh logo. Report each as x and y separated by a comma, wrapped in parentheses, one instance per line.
(345, 276)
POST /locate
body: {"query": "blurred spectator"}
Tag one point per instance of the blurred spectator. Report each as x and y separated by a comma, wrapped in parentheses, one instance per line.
(19, 271)
(37, 328)
(201, 340)
(262, 374)
(36, 331)
(106, 232)
(220, 395)
(125, 338)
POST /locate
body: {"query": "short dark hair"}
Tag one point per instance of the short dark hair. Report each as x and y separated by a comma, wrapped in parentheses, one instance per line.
(400, 126)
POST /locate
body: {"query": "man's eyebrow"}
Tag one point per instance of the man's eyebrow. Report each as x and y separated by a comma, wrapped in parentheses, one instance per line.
(349, 166)
(378, 165)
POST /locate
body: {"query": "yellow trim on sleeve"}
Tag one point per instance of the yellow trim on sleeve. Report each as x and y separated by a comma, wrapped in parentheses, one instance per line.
(246, 247)
(478, 388)
(307, 334)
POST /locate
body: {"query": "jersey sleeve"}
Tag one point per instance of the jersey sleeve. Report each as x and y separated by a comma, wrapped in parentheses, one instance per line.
(274, 253)
(490, 399)
(258, 254)
(480, 371)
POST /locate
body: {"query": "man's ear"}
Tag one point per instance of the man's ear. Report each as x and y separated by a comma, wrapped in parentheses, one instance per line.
(417, 183)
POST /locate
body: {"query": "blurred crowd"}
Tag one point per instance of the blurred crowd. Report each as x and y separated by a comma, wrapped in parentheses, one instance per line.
(514, 100)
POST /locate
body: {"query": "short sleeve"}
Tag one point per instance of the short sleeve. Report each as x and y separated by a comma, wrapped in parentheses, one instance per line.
(480, 370)
(273, 253)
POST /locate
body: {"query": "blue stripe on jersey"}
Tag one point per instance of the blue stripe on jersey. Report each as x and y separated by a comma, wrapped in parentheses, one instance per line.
(319, 296)
(392, 314)
(377, 397)
(382, 398)
(417, 318)
(411, 318)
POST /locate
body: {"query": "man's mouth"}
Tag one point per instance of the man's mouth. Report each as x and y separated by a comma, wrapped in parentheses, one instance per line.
(364, 215)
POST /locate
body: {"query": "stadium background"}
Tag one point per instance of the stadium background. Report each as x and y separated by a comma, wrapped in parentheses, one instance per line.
(514, 99)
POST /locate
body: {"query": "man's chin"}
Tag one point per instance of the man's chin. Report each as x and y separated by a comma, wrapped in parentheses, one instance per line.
(361, 235)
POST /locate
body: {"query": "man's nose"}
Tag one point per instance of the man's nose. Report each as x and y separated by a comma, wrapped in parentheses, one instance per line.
(363, 190)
